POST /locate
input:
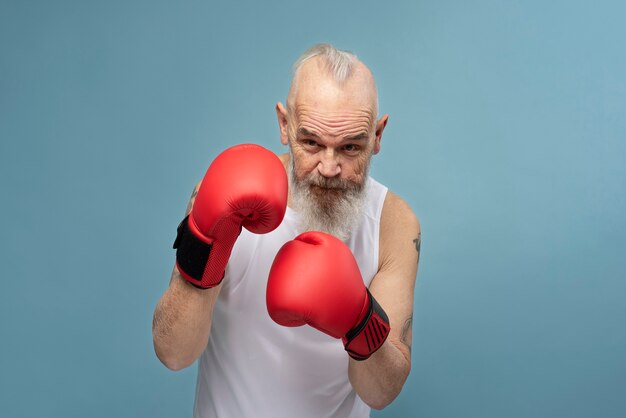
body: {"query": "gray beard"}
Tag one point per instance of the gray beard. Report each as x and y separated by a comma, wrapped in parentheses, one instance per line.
(329, 205)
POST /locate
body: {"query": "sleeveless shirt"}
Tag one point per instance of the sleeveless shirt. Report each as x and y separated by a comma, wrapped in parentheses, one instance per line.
(253, 367)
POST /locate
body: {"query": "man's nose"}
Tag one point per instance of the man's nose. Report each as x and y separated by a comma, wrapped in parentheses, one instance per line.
(329, 165)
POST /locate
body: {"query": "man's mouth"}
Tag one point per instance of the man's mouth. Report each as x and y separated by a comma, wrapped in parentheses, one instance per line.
(325, 188)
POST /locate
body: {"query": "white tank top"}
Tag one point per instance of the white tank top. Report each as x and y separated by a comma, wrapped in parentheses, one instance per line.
(253, 367)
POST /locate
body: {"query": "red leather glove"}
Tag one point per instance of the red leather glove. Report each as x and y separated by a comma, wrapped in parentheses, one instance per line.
(246, 185)
(315, 280)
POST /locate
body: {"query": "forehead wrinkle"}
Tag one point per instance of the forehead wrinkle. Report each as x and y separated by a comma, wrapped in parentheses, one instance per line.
(337, 120)
(358, 112)
(362, 119)
(319, 129)
(333, 103)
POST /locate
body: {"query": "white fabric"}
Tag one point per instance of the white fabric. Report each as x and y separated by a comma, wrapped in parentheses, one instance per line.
(253, 367)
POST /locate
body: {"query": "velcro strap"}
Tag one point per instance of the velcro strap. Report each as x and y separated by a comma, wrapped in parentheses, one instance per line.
(192, 254)
(369, 334)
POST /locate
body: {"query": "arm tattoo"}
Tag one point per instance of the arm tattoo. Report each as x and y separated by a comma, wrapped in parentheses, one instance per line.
(191, 200)
(418, 245)
(405, 335)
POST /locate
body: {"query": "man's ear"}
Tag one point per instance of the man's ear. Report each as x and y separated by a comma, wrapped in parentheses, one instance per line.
(380, 127)
(281, 114)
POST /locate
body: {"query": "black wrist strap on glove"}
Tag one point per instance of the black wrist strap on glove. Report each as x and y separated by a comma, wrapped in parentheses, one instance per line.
(369, 334)
(192, 254)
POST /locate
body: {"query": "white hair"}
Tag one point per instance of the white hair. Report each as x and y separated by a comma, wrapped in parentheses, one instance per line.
(339, 63)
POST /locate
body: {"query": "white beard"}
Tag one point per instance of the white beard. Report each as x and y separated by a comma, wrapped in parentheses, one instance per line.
(329, 205)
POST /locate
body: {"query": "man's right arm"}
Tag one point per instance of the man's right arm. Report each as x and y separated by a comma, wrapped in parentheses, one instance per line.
(244, 187)
(182, 318)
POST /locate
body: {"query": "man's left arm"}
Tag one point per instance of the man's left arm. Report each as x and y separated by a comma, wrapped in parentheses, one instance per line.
(379, 379)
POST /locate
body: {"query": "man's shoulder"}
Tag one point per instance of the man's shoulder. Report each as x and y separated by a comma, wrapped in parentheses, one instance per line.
(398, 216)
(399, 233)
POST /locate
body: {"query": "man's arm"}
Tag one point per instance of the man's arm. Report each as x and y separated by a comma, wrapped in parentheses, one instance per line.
(244, 187)
(379, 379)
(182, 318)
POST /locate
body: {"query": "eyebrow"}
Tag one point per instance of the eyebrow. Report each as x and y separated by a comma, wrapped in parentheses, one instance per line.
(358, 137)
(305, 132)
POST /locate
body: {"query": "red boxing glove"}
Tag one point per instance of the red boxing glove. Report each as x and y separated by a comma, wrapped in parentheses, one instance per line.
(315, 280)
(246, 185)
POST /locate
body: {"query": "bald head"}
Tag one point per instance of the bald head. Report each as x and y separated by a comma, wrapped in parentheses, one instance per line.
(328, 75)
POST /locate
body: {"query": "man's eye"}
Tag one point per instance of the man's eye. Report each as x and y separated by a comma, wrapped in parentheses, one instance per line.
(309, 142)
(351, 148)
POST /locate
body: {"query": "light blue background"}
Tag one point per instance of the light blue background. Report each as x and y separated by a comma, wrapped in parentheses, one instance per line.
(507, 136)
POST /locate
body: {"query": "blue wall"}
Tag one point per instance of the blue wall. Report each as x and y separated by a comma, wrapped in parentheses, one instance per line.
(507, 136)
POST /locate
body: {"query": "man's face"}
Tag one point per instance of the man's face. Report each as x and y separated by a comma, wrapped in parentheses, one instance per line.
(332, 133)
(331, 144)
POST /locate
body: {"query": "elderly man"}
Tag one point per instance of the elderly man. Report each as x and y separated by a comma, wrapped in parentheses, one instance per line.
(238, 296)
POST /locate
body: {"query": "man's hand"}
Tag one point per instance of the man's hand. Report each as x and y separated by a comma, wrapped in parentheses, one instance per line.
(315, 280)
(246, 185)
